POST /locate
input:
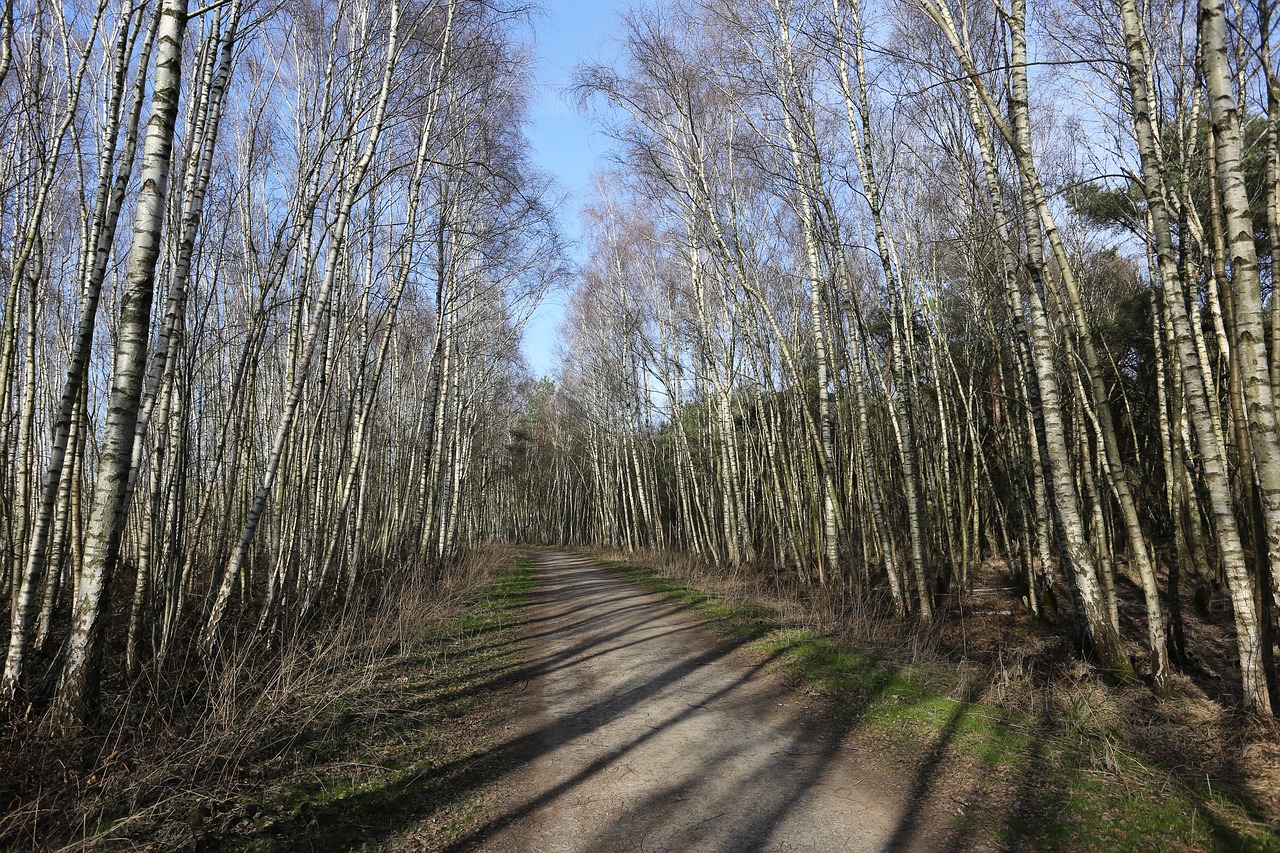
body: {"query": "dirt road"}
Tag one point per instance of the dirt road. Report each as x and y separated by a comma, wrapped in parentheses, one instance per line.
(644, 732)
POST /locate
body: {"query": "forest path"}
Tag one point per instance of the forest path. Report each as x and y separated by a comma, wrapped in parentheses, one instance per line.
(644, 731)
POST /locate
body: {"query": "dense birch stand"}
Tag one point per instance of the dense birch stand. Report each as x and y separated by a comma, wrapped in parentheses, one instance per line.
(855, 312)
(312, 325)
(931, 370)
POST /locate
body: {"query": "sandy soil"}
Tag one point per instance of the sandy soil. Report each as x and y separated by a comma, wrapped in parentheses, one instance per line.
(641, 731)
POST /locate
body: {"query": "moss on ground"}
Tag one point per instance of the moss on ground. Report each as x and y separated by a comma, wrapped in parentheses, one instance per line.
(1056, 785)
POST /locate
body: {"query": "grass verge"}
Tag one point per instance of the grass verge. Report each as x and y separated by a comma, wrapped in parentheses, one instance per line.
(1059, 780)
(374, 733)
(410, 773)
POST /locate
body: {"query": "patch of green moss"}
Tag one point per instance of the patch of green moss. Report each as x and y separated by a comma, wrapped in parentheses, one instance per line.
(1076, 790)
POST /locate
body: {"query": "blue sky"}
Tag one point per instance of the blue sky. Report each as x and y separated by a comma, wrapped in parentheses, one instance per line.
(565, 144)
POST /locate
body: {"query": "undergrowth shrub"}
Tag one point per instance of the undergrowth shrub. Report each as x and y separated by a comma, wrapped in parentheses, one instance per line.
(199, 745)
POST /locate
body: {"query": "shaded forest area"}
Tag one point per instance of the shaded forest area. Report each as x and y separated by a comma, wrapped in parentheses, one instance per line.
(928, 308)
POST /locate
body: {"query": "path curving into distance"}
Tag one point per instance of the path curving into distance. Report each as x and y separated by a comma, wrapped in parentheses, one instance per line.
(644, 732)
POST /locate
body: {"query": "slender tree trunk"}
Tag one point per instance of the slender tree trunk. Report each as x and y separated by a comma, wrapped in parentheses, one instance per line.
(77, 689)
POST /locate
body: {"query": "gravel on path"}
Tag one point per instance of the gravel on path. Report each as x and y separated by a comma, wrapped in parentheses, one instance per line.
(643, 731)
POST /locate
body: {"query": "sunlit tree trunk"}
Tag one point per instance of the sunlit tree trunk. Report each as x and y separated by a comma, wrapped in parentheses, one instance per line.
(77, 686)
(353, 187)
(1248, 630)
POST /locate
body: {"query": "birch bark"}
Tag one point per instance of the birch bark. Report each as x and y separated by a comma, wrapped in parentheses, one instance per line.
(77, 686)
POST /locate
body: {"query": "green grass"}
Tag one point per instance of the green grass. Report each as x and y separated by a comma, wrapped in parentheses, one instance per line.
(1072, 787)
(414, 761)
(508, 593)
(741, 621)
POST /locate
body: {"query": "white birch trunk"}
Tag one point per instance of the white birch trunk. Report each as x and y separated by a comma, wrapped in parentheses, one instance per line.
(78, 683)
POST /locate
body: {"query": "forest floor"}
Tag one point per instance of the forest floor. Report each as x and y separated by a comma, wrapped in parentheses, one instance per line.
(576, 704)
(377, 728)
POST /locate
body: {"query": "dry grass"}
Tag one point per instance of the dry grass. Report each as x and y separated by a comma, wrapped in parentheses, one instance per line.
(820, 610)
(159, 778)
